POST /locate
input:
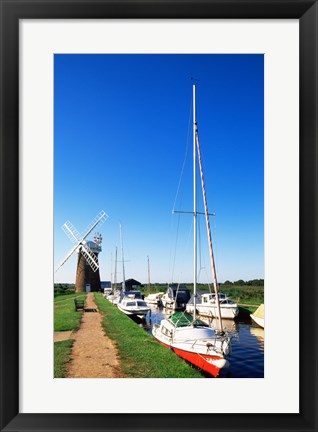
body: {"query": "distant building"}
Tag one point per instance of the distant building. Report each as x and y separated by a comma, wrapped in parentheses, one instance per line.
(105, 284)
(131, 284)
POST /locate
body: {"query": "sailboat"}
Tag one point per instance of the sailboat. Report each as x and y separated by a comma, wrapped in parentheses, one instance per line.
(130, 302)
(189, 337)
(176, 297)
(152, 298)
(113, 297)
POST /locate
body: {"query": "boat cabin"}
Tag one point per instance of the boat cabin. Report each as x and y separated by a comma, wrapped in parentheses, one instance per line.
(209, 298)
(179, 293)
(134, 303)
(130, 294)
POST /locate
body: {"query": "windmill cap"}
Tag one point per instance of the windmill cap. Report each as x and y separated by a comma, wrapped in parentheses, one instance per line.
(93, 246)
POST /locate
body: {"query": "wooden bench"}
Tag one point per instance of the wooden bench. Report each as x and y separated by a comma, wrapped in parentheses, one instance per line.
(79, 304)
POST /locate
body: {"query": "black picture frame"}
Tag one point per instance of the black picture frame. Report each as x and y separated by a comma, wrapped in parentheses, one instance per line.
(11, 12)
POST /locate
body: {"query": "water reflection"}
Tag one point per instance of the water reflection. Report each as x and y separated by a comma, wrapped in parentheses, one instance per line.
(229, 326)
(258, 332)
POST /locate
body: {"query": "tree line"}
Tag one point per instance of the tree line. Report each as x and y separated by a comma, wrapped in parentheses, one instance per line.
(241, 282)
(63, 288)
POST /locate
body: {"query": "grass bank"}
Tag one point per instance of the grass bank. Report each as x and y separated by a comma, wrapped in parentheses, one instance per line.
(65, 316)
(62, 297)
(245, 295)
(141, 356)
(62, 352)
(65, 319)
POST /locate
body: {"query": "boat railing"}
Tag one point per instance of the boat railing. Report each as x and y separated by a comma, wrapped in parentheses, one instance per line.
(212, 341)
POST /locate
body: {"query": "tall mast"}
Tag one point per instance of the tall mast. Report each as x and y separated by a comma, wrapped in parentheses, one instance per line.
(111, 270)
(115, 274)
(194, 207)
(206, 211)
(122, 257)
(148, 274)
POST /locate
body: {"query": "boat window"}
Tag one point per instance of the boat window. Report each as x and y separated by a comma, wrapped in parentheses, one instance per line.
(131, 304)
(205, 299)
(141, 303)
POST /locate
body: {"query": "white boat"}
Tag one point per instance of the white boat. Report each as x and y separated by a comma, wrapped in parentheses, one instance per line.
(258, 316)
(206, 306)
(194, 341)
(183, 333)
(131, 303)
(107, 292)
(176, 297)
(114, 297)
(154, 298)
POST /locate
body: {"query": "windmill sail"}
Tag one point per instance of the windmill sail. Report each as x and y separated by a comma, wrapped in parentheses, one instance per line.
(99, 219)
(89, 256)
(67, 257)
(81, 245)
(71, 232)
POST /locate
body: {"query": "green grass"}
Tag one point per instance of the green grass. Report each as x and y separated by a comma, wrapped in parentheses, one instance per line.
(68, 296)
(141, 356)
(246, 295)
(62, 352)
(65, 316)
(249, 295)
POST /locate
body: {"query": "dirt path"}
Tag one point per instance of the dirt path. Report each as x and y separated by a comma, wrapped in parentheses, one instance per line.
(94, 355)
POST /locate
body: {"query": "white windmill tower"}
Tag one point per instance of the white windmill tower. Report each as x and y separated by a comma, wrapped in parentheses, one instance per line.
(87, 271)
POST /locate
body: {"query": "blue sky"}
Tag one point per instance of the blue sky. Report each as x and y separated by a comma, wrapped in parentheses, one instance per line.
(123, 144)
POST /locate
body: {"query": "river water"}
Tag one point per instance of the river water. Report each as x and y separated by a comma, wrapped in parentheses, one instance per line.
(247, 356)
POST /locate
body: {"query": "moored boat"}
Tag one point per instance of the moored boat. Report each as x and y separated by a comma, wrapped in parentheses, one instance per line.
(183, 333)
(131, 303)
(154, 298)
(194, 341)
(176, 297)
(258, 316)
(114, 297)
(206, 305)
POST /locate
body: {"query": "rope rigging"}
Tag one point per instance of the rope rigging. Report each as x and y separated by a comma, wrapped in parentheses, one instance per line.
(173, 248)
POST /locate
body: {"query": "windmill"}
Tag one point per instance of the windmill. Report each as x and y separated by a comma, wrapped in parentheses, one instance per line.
(87, 271)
